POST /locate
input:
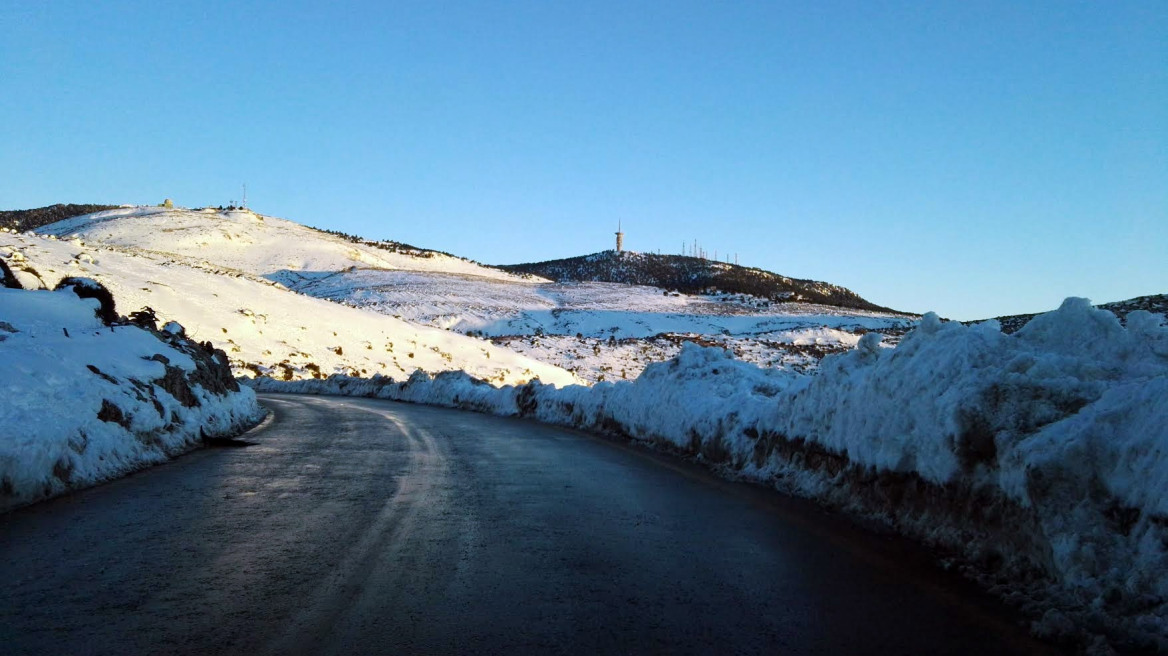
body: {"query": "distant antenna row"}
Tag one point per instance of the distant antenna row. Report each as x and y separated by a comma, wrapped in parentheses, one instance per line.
(242, 203)
(686, 249)
(696, 250)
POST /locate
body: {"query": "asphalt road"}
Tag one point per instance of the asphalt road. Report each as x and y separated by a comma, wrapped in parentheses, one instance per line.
(360, 526)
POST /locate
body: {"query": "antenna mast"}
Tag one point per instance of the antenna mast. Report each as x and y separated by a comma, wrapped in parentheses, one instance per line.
(245, 195)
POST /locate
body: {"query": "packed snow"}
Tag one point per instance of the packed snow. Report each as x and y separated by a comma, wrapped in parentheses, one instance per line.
(83, 402)
(1038, 459)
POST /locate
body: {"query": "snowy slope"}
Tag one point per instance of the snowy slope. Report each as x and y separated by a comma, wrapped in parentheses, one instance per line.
(602, 331)
(596, 309)
(575, 326)
(82, 402)
(598, 329)
(263, 327)
(252, 243)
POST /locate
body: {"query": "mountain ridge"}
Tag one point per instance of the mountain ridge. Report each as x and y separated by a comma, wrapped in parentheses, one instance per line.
(693, 275)
(685, 274)
(31, 219)
(1154, 303)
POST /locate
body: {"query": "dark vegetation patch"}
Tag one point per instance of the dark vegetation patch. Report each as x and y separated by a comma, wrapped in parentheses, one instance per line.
(692, 275)
(389, 245)
(23, 220)
(145, 318)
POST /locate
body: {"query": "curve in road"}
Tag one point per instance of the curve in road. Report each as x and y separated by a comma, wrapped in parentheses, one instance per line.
(364, 526)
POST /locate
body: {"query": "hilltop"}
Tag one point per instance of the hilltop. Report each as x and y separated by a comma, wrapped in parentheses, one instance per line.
(249, 242)
(692, 275)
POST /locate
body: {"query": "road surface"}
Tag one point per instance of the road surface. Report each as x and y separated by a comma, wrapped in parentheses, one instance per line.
(362, 526)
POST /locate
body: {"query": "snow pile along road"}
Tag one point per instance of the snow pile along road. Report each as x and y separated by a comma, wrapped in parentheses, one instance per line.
(1038, 459)
(83, 401)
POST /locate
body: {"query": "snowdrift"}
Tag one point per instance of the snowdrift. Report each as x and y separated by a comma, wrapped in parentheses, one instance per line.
(1038, 460)
(83, 401)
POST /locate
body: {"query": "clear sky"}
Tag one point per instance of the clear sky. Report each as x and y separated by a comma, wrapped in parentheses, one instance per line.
(972, 158)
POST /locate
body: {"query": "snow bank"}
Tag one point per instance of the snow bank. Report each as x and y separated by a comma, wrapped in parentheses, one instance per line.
(83, 402)
(1039, 460)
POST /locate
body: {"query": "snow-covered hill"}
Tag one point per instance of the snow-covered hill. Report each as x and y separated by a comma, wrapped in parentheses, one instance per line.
(598, 330)
(253, 243)
(693, 275)
(263, 327)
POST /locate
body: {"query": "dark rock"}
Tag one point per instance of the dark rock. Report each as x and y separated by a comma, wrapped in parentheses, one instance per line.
(90, 288)
(113, 414)
(7, 278)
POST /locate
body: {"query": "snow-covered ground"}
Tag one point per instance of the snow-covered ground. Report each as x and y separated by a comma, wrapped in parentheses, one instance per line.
(621, 328)
(82, 402)
(263, 327)
(252, 243)
(595, 360)
(594, 309)
(600, 331)
(1038, 460)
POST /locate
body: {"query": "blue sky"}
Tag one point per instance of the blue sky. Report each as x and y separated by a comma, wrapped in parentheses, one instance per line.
(969, 158)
